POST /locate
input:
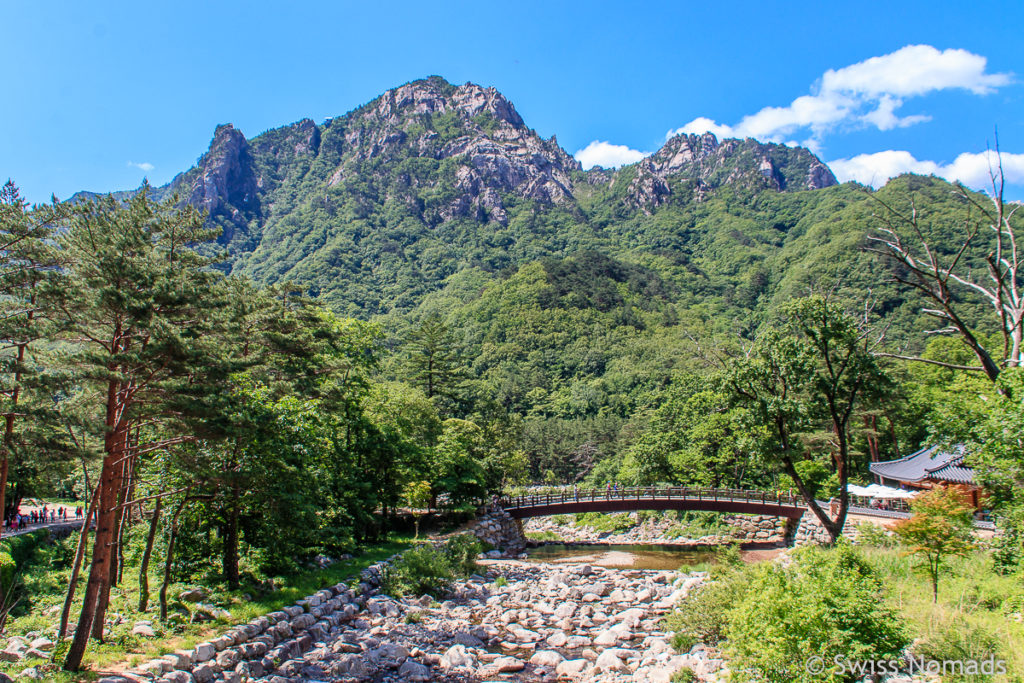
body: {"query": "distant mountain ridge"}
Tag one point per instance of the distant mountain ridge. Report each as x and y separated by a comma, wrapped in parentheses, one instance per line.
(431, 161)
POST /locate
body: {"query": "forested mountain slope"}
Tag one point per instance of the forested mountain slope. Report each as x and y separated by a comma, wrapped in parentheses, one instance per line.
(569, 296)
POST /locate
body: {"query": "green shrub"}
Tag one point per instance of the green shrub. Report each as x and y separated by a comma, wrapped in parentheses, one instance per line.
(676, 531)
(684, 676)
(694, 524)
(1006, 551)
(827, 602)
(430, 570)
(418, 571)
(728, 555)
(8, 567)
(601, 522)
(500, 582)
(875, 536)
(461, 552)
(702, 616)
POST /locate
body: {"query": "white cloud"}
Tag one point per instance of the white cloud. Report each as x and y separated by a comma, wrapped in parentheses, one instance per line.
(143, 165)
(703, 125)
(970, 169)
(867, 93)
(876, 169)
(607, 155)
(915, 70)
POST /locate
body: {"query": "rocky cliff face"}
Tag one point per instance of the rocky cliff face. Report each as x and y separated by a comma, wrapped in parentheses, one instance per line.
(493, 156)
(497, 153)
(224, 183)
(704, 163)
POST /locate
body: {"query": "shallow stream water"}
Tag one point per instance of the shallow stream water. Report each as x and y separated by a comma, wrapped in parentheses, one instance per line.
(621, 556)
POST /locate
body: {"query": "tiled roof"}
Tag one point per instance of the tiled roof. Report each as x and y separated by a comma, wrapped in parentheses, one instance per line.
(928, 463)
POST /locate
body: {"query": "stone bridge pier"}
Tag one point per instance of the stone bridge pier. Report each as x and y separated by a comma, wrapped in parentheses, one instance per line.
(501, 530)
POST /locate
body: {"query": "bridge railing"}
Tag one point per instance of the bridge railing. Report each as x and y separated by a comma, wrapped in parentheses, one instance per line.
(650, 493)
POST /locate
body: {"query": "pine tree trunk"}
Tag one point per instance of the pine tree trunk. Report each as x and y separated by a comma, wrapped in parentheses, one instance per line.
(8, 442)
(170, 558)
(126, 517)
(871, 423)
(230, 563)
(146, 554)
(114, 544)
(99, 571)
(3, 484)
(69, 598)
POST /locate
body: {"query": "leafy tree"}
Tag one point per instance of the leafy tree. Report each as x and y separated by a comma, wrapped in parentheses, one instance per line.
(458, 473)
(809, 376)
(939, 528)
(434, 362)
(696, 437)
(417, 496)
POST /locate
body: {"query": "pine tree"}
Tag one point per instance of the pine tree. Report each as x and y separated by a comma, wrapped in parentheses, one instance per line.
(27, 261)
(135, 312)
(434, 363)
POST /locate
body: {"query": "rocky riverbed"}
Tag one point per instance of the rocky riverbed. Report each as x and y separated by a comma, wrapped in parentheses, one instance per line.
(513, 622)
(661, 530)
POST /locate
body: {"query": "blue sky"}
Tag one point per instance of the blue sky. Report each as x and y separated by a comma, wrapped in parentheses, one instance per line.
(99, 95)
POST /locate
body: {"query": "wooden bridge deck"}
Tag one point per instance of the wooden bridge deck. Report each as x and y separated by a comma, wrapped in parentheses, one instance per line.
(646, 498)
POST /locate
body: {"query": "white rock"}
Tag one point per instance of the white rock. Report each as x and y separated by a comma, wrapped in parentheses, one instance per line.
(547, 658)
(572, 668)
(609, 661)
(458, 656)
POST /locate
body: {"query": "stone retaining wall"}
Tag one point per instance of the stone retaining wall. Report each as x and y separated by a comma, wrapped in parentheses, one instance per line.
(757, 528)
(502, 531)
(254, 649)
(809, 531)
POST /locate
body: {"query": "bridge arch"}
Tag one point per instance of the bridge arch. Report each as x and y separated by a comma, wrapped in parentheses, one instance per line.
(648, 498)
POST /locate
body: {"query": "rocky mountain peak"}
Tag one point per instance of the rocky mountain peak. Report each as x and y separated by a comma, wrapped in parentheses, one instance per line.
(435, 95)
(707, 163)
(225, 182)
(473, 124)
(475, 100)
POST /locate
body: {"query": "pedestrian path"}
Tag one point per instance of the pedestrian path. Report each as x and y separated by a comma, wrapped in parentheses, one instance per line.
(71, 523)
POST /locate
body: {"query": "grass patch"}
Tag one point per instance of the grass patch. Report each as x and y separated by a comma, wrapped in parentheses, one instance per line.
(46, 572)
(602, 522)
(977, 613)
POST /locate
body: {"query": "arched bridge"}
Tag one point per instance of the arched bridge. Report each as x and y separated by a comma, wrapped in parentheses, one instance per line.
(649, 498)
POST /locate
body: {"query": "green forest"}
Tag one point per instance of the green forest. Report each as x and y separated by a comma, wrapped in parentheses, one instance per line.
(338, 346)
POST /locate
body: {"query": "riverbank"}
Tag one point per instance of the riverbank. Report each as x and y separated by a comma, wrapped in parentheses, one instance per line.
(526, 622)
(133, 637)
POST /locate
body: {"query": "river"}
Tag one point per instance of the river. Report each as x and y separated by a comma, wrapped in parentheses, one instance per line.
(635, 556)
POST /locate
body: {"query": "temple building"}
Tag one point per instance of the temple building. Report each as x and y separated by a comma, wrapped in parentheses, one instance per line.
(930, 467)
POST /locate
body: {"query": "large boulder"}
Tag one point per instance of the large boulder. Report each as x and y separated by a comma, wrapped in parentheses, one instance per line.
(458, 656)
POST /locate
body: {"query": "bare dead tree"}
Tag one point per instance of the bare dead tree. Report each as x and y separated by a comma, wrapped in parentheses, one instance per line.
(943, 280)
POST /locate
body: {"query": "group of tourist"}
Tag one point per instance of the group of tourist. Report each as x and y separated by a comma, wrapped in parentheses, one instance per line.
(612, 489)
(18, 520)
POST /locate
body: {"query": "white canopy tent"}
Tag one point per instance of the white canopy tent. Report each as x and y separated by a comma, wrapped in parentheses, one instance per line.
(879, 491)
